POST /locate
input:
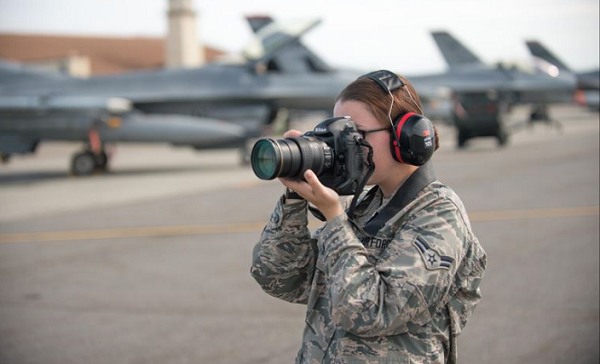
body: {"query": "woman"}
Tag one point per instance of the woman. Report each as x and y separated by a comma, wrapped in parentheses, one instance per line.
(397, 282)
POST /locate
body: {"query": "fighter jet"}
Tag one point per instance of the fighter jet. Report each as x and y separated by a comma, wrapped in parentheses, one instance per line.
(485, 94)
(26, 120)
(588, 83)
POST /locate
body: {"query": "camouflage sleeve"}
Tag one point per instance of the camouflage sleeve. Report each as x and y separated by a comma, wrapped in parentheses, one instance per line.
(284, 257)
(466, 291)
(409, 282)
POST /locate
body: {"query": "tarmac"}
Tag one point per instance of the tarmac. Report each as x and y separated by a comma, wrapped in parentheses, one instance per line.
(149, 262)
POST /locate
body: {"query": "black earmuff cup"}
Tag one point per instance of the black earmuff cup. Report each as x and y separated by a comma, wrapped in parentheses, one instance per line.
(417, 140)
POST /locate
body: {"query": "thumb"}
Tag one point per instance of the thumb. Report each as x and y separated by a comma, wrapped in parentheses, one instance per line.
(292, 133)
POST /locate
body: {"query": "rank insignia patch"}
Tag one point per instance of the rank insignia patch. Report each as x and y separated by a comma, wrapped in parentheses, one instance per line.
(433, 260)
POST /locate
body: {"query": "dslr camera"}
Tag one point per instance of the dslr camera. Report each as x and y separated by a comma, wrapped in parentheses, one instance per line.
(335, 150)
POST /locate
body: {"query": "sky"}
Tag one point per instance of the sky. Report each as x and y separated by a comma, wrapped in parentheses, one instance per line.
(360, 34)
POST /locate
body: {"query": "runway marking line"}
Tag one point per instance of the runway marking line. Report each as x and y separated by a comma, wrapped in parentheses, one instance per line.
(156, 231)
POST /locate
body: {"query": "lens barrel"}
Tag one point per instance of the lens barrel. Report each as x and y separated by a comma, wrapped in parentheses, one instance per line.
(290, 157)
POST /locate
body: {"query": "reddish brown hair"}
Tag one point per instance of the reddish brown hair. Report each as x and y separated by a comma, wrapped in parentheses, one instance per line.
(370, 93)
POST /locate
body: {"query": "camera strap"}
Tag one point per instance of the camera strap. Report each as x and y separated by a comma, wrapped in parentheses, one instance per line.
(363, 183)
(414, 184)
(350, 211)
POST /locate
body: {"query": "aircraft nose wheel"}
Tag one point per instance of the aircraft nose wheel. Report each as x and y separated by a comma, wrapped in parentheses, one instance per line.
(83, 164)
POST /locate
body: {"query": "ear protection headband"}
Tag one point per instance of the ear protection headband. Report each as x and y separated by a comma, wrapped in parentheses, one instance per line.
(413, 140)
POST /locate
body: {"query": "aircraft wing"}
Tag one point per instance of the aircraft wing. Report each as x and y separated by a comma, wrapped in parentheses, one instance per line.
(14, 72)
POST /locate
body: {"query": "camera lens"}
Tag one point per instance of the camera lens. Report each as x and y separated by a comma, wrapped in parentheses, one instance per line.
(289, 158)
(266, 159)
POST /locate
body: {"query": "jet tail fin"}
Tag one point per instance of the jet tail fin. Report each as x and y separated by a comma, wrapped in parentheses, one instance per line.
(454, 52)
(279, 48)
(258, 22)
(538, 50)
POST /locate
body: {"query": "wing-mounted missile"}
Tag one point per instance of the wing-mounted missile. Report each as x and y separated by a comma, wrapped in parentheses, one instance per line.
(44, 114)
(197, 132)
(12, 74)
(44, 103)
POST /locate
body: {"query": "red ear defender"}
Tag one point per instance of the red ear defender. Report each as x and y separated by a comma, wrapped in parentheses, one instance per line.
(417, 139)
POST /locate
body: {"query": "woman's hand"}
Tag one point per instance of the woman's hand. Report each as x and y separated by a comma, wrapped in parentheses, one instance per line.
(292, 133)
(324, 198)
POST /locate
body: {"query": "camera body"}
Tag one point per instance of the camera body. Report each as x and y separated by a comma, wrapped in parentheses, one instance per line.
(350, 154)
(334, 150)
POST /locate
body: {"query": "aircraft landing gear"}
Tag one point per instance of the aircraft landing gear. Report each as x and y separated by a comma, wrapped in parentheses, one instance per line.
(85, 163)
(541, 114)
(94, 158)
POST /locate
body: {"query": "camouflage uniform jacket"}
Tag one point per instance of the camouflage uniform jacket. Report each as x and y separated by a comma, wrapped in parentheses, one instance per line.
(401, 296)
